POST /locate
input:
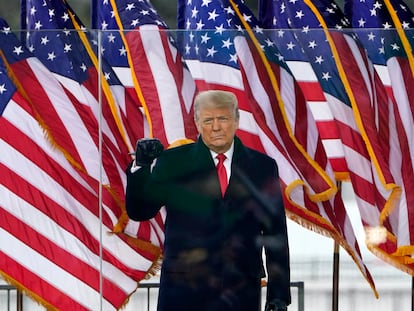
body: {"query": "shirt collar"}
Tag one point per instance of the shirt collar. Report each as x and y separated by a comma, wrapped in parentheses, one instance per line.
(228, 153)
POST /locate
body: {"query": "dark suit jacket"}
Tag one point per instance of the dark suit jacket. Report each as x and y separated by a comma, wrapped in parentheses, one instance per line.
(213, 245)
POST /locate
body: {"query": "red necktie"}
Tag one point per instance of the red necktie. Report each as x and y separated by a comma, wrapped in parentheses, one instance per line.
(222, 174)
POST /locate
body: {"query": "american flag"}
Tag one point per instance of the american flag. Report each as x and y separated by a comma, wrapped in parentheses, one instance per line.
(114, 52)
(65, 48)
(163, 84)
(66, 51)
(384, 29)
(291, 51)
(208, 47)
(344, 99)
(333, 211)
(55, 242)
(78, 73)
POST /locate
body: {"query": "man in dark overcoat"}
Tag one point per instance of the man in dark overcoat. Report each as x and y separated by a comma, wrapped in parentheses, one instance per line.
(215, 233)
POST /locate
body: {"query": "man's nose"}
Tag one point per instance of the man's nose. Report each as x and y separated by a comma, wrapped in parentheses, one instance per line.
(216, 124)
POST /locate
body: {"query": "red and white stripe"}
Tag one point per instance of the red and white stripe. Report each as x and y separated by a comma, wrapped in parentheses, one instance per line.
(325, 121)
(397, 77)
(371, 115)
(51, 231)
(166, 87)
(70, 114)
(282, 120)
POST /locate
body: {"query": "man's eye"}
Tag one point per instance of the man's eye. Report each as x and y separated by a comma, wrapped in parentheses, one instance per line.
(208, 121)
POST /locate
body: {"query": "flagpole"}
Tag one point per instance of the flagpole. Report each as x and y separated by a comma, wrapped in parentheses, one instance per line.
(335, 278)
(335, 274)
(412, 293)
(100, 174)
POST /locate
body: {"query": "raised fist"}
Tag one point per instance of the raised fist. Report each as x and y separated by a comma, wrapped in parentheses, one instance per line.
(147, 149)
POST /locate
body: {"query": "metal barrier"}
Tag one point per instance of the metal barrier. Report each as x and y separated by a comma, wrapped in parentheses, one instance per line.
(148, 286)
(299, 285)
(18, 296)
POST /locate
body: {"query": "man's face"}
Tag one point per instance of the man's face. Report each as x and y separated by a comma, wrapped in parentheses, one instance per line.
(217, 127)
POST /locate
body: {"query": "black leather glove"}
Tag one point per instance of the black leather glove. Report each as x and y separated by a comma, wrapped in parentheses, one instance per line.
(275, 306)
(147, 149)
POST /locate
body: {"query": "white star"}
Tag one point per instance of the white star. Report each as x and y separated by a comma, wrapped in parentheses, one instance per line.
(280, 57)
(269, 42)
(65, 16)
(33, 10)
(3, 88)
(326, 76)
(191, 36)
(67, 48)
(130, 6)
(83, 67)
(239, 28)
(144, 12)
(111, 38)
(299, 14)
(44, 40)
(361, 22)
(122, 51)
(206, 3)
(200, 25)
(377, 5)
(371, 36)
(290, 45)
(187, 49)
(188, 24)
(233, 58)
(312, 44)
(395, 47)
(211, 51)
(6, 30)
(38, 25)
(258, 29)
(219, 29)
(51, 56)
(212, 15)
(387, 25)
(229, 10)
(205, 38)
(194, 12)
(227, 43)
(51, 13)
(135, 22)
(319, 59)
(107, 75)
(247, 18)
(104, 25)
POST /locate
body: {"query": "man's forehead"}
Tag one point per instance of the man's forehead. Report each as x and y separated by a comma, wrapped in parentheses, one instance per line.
(215, 111)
